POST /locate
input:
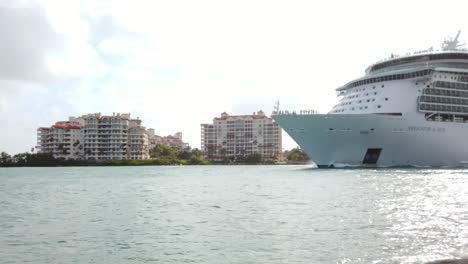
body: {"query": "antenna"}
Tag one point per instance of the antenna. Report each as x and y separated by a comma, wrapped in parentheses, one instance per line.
(452, 44)
(276, 108)
(458, 34)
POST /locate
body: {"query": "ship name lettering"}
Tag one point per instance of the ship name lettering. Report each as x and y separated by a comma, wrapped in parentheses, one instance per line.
(426, 129)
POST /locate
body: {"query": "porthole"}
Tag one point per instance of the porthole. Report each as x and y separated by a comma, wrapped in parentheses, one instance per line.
(382, 86)
(379, 106)
(386, 98)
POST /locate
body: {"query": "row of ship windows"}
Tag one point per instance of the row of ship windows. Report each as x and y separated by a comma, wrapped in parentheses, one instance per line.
(445, 77)
(458, 86)
(431, 57)
(364, 88)
(434, 91)
(443, 100)
(400, 77)
(443, 108)
(357, 95)
(390, 78)
(360, 101)
(459, 78)
(350, 130)
(355, 108)
(364, 131)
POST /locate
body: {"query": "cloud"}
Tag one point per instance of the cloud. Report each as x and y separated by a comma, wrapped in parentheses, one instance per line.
(104, 27)
(26, 38)
(177, 64)
(30, 92)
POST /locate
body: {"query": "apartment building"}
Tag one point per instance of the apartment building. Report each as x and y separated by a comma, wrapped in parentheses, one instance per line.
(171, 140)
(96, 137)
(63, 140)
(234, 137)
(138, 140)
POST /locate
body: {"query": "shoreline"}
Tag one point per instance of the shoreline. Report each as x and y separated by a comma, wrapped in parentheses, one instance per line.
(119, 163)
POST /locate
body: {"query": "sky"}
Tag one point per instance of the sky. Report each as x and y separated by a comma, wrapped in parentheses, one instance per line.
(177, 64)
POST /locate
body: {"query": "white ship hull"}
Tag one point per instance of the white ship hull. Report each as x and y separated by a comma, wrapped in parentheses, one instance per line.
(336, 140)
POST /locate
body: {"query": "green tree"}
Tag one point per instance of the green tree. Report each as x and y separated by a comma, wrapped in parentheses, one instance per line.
(5, 160)
(21, 159)
(253, 158)
(297, 155)
(44, 159)
(162, 151)
(184, 153)
(196, 152)
(197, 160)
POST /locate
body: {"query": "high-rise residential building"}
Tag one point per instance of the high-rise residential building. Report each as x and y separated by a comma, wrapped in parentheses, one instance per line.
(63, 140)
(234, 137)
(96, 137)
(115, 136)
(138, 140)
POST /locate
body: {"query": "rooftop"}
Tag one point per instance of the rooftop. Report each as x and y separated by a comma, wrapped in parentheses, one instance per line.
(259, 115)
(114, 115)
(66, 126)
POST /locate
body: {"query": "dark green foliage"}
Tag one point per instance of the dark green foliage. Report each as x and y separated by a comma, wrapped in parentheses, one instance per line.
(254, 158)
(161, 155)
(31, 160)
(197, 160)
(296, 155)
(184, 154)
(155, 161)
(5, 160)
(168, 155)
(163, 150)
(196, 152)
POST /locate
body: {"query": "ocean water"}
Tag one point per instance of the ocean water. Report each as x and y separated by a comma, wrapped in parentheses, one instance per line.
(231, 214)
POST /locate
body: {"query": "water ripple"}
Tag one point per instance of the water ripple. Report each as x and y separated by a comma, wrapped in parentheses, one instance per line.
(232, 214)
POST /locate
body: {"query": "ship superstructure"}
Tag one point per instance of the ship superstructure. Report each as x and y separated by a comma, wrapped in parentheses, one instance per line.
(405, 110)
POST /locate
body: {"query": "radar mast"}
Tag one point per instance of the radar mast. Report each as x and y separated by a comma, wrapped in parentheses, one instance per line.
(276, 108)
(452, 44)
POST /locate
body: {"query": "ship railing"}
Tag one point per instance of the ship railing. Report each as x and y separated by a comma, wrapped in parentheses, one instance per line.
(421, 52)
(300, 112)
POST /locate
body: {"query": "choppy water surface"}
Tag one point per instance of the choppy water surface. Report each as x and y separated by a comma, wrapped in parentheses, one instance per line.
(231, 214)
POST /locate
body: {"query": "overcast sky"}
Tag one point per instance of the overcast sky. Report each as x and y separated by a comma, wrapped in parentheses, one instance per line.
(177, 64)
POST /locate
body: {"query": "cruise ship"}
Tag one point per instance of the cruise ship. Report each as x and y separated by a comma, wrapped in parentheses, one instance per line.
(409, 110)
